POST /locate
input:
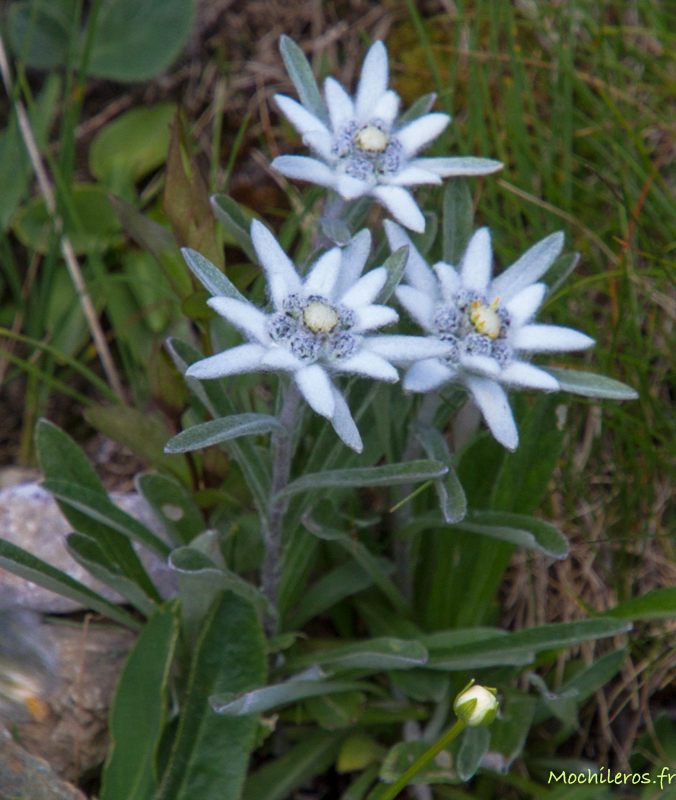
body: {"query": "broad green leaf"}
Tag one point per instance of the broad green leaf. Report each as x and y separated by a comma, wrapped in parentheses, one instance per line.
(50, 38)
(373, 654)
(303, 78)
(96, 230)
(173, 505)
(138, 711)
(449, 490)
(131, 146)
(149, 286)
(214, 399)
(588, 384)
(233, 219)
(210, 753)
(144, 435)
(92, 505)
(423, 105)
(458, 219)
(15, 164)
(521, 647)
(343, 581)
(281, 694)
(510, 730)
(89, 554)
(395, 265)
(371, 563)
(210, 276)
(473, 747)
(24, 564)
(136, 40)
(220, 430)
(336, 711)
(388, 475)
(655, 604)
(158, 241)
(279, 778)
(200, 580)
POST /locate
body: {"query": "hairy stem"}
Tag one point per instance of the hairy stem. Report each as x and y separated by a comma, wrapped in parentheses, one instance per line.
(282, 447)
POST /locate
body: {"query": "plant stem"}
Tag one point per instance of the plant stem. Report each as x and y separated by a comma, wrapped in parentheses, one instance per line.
(282, 447)
(392, 791)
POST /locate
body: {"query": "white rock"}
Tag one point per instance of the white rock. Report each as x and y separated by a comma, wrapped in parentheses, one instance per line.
(31, 519)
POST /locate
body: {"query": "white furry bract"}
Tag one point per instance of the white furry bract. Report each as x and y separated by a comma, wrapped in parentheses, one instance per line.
(321, 327)
(485, 323)
(362, 150)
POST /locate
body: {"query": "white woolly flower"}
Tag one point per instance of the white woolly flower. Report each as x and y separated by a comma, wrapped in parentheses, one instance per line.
(476, 705)
(486, 322)
(320, 327)
(361, 150)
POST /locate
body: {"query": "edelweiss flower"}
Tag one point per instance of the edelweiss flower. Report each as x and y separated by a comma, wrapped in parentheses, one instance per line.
(319, 327)
(362, 151)
(485, 322)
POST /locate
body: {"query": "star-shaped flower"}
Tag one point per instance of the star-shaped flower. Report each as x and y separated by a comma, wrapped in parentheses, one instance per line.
(486, 323)
(361, 150)
(320, 327)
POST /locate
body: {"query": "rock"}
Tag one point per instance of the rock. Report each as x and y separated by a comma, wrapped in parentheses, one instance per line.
(31, 519)
(29, 778)
(69, 729)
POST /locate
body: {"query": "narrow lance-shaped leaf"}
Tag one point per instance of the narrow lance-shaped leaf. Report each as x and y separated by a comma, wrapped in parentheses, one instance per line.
(343, 581)
(365, 558)
(220, 430)
(261, 700)
(473, 748)
(491, 652)
(88, 553)
(388, 475)
(423, 105)
(655, 604)
(210, 276)
(24, 564)
(231, 217)
(458, 219)
(214, 399)
(210, 753)
(588, 384)
(395, 266)
(173, 505)
(383, 653)
(449, 490)
(103, 510)
(303, 78)
(138, 711)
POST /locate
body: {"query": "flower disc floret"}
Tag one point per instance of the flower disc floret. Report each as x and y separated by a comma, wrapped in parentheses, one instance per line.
(361, 148)
(486, 322)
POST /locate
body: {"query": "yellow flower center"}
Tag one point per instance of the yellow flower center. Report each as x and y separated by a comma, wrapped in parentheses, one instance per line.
(371, 139)
(320, 317)
(485, 318)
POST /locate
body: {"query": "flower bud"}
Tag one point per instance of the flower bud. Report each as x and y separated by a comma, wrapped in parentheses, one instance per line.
(476, 705)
